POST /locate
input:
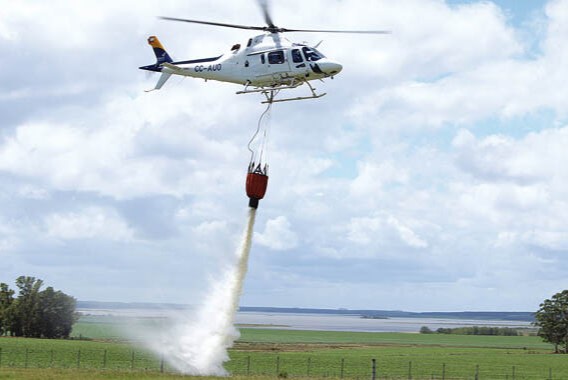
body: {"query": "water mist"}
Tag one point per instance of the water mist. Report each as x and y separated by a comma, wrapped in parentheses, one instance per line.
(197, 344)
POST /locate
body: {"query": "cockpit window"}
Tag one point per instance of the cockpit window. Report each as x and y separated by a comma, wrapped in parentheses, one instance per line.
(312, 54)
(275, 57)
(297, 56)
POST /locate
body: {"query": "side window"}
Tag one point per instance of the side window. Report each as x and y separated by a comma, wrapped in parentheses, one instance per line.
(297, 56)
(276, 57)
(308, 54)
(262, 59)
(312, 54)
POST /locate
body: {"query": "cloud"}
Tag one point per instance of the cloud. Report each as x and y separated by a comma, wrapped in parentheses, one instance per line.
(522, 185)
(372, 178)
(534, 159)
(378, 230)
(278, 235)
(90, 223)
(428, 164)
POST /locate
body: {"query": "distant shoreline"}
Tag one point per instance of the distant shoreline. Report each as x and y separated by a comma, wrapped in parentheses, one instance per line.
(373, 314)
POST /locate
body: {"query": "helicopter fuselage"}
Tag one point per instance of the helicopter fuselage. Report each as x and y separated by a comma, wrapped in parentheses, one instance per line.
(267, 60)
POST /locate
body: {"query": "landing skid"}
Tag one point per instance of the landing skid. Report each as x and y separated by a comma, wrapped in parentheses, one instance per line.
(269, 99)
(270, 94)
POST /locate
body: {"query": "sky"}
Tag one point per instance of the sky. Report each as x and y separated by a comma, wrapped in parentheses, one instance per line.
(431, 177)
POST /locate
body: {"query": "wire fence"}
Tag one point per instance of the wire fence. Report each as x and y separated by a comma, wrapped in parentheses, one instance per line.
(274, 365)
(313, 367)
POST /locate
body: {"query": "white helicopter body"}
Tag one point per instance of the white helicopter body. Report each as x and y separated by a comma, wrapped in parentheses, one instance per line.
(267, 63)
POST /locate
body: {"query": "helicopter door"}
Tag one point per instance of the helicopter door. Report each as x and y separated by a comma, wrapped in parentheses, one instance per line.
(258, 67)
(276, 64)
(297, 62)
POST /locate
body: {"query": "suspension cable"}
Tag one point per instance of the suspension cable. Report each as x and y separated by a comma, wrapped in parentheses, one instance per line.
(266, 111)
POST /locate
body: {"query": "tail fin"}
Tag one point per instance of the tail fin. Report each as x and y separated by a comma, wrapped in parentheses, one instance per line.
(162, 57)
(161, 53)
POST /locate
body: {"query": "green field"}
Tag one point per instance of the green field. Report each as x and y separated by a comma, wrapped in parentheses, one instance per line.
(299, 336)
(267, 354)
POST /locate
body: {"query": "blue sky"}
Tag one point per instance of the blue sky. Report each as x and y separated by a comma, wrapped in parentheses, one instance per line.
(431, 177)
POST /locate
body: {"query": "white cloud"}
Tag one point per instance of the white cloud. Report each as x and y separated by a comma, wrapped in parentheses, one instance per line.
(278, 235)
(407, 235)
(535, 158)
(372, 178)
(425, 165)
(91, 223)
(381, 232)
(519, 185)
(33, 192)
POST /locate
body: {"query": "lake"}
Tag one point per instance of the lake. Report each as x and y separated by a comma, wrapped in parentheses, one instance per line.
(315, 321)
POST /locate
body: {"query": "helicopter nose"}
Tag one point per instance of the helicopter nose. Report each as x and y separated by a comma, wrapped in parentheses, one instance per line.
(331, 68)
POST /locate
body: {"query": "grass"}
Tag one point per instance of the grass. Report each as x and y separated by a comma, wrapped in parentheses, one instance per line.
(265, 354)
(60, 374)
(50, 353)
(369, 338)
(422, 361)
(74, 374)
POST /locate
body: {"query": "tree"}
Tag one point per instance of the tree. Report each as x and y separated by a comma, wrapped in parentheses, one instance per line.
(56, 313)
(552, 320)
(36, 313)
(6, 299)
(24, 310)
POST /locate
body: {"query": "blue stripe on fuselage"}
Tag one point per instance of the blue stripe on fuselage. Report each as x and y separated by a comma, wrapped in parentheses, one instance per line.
(202, 60)
(157, 67)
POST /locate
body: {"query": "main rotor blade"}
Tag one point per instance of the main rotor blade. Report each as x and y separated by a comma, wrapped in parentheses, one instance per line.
(271, 28)
(266, 12)
(282, 30)
(216, 23)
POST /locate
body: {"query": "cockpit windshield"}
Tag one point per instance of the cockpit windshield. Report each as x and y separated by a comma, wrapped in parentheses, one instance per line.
(312, 54)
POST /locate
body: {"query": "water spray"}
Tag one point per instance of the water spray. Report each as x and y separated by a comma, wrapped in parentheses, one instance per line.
(197, 344)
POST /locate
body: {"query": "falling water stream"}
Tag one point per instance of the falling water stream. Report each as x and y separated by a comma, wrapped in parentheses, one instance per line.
(198, 343)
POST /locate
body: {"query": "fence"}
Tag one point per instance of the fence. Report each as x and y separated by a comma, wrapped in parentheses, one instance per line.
(275, 365)
(80, 358)
(371, 368)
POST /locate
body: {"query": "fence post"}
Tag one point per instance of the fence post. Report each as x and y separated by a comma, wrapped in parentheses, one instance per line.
(309, 365)
(79, 358)
(26, 360)
(104, 359)
(277, 365)
(513, 372)
(477, 372)
(162, 364)
(132, 361)
(0, 356)
(342, 367)
(549, 373)
(410, 370)
(443, 371)
(248, 365)
(374, 369)
(51, 359)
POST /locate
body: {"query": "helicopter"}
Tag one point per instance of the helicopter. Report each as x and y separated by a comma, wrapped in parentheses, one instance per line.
(266, 63)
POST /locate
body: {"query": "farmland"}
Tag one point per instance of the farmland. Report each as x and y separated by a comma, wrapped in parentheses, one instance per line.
(267, 353)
